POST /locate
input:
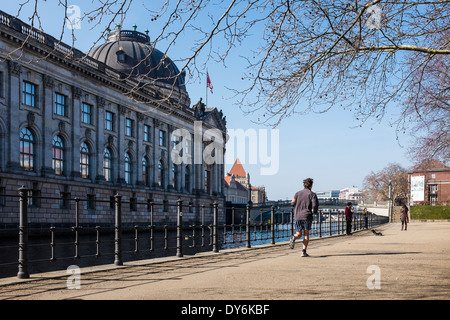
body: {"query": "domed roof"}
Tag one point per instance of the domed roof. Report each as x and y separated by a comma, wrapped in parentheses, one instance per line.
(130, 52)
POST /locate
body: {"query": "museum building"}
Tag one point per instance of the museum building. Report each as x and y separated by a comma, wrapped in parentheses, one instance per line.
(95, 125)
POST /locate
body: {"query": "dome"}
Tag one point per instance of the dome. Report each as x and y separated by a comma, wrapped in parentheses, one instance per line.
(130, 52)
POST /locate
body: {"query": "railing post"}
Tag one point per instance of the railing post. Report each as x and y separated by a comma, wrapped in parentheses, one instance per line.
(215, 227)
(76, 228)
(151, 227)
(247, 226)
(329, 218)
(118, 230)
(320, 223)
(179, 228)
(272, 225)
(23, 234)
(292, 221)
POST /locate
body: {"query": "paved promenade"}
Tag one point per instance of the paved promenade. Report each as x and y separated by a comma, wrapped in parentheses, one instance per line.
(409, 265)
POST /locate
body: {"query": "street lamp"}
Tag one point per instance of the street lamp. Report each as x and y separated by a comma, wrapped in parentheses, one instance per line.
(390, 201)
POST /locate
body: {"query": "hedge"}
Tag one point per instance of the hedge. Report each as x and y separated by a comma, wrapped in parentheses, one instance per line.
(430, 212)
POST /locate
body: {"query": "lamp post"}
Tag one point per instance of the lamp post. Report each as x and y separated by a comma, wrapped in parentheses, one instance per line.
(390, 201)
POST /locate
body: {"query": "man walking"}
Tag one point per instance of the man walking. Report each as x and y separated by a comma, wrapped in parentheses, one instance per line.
(305, 203)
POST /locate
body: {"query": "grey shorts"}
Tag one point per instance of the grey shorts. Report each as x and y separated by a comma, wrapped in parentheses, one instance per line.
(303, 224)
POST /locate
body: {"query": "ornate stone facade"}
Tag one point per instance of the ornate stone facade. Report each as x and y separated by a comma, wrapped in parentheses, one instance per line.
(73, 126)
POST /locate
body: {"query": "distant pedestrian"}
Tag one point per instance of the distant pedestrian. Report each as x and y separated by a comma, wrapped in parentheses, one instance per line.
(305, 205)
(348, 218)
(365, 217)
(404, 216)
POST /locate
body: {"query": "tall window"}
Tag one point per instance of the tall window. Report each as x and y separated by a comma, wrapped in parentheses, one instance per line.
(84, 160)
(174, 176)
(147, 134)
(107, 164)
(129, 127)
(86, 113)
(207, 181)
(60, 104)
(1, 87)
(128, 168)
(26, 150)
(29, 94)
(109, 121)
(162, 138)
(160, 173)
(187, 179)
(58, 155)
(145, 171)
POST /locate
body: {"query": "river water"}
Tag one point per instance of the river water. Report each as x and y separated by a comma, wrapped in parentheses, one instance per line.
(163, 244)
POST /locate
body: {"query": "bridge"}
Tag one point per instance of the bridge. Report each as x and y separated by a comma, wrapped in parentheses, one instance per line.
(283, 208)
(398, 265)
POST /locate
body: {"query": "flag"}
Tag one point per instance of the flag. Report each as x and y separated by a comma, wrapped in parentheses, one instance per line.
(208, 82)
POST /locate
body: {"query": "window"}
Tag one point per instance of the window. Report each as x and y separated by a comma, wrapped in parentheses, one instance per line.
(86, 113)
(90, 203)
(60, 104)
(65, 200)
(207, 181)
(2, 196)
(433, 193)
(162, 138)
(145, 171)
(109, 121)
(160, 173)
(129, 127)
(58, 155)
(29, 94)
(26, 150)
(1, 84)
(128, 168)
(84, 160)
(107, 165)
(187, 179)
(174, 176)
(147, 133)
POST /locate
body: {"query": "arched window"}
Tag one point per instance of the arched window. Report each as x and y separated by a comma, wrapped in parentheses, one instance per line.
(58, 155)
(128, 168)
(160, 173)
(145, 170)
(26, 150)
(107, 164)
(84, 160)
(175, 170)
(187, 179)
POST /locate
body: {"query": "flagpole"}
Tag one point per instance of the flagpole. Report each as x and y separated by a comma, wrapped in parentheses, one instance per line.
(206, 104)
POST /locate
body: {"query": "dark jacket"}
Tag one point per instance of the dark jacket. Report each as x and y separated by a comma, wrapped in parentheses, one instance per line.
(348, 213)
(306, 203)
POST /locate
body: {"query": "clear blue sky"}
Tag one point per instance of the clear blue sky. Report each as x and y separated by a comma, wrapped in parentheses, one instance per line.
(331, 148)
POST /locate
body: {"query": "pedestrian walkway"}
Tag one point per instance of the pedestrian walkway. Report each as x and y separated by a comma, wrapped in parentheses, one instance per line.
(398, 265)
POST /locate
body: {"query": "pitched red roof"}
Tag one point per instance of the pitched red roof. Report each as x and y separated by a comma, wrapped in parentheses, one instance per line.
(238, 169)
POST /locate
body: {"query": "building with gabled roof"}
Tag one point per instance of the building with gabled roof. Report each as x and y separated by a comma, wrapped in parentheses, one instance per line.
(238, 174)
(429, 183)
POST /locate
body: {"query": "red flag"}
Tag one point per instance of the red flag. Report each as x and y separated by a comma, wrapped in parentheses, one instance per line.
(208, 82)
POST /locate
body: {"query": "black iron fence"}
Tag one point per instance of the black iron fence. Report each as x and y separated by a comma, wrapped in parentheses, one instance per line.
(25, 250)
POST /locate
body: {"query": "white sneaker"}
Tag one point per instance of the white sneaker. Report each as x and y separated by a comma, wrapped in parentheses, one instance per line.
(292, 242)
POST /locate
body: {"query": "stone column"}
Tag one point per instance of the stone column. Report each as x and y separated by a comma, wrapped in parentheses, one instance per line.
(13, 120)
(48, 128)
(76, 128)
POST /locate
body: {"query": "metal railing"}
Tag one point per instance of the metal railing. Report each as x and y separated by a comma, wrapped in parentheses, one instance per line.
(109, 243)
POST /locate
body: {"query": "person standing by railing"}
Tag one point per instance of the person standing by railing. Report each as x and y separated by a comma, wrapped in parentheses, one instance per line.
(348, 218)
(305, 203)
(365, 217)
